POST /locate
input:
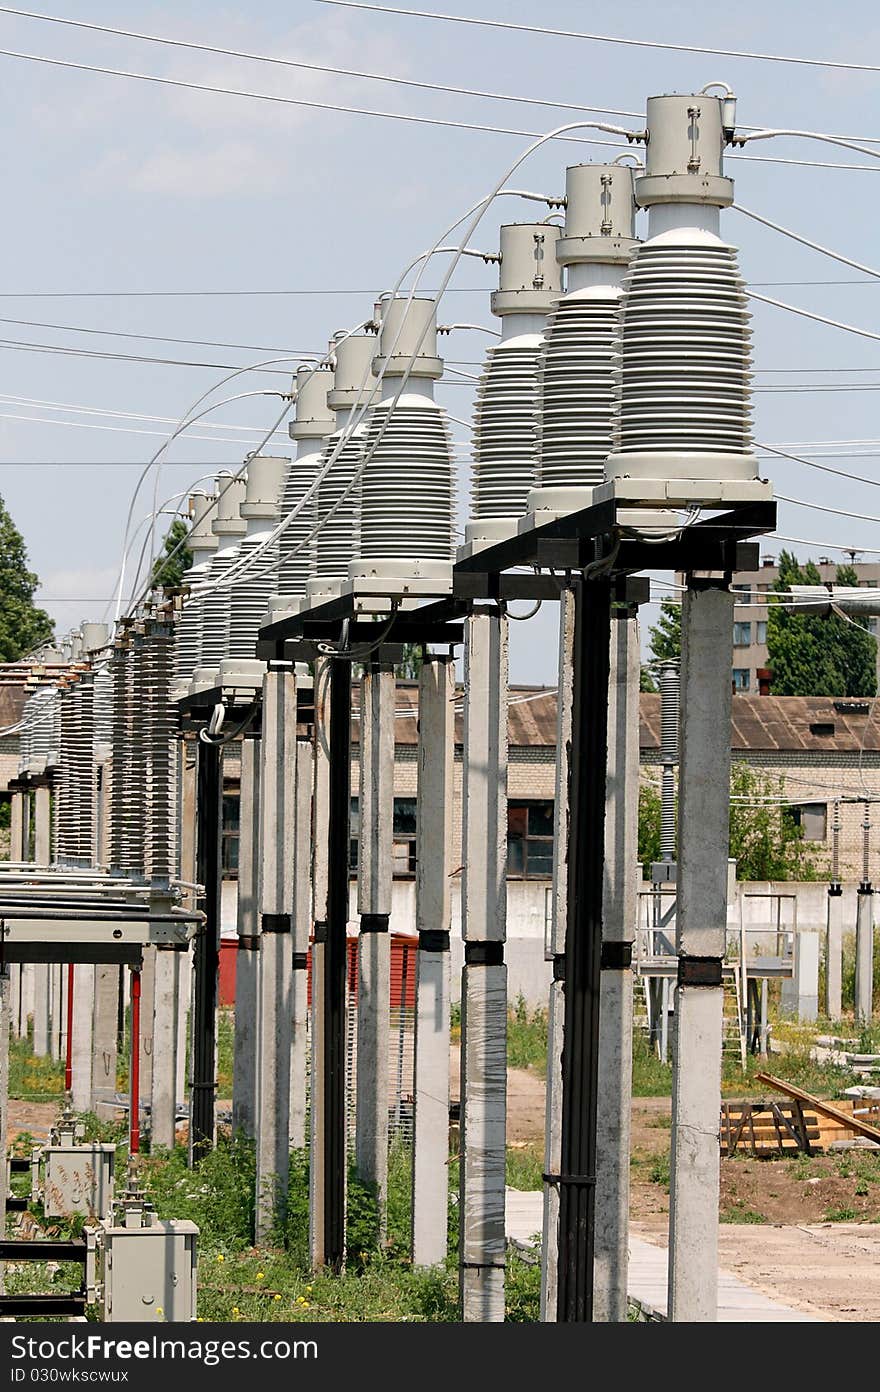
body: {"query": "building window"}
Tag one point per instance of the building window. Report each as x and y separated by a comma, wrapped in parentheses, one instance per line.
(230, 837)
(744, 593)
(811, 818)
(529, 839)
(742, 679)
(761, 631)
(404, 832)
(742, 634)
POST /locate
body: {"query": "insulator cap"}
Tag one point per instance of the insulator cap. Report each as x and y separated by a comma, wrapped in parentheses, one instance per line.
(684, 161)
(94, 636)
(227, 519)
(314, 418)
(353, 378)
(201, 534)
(265, 475)
(599, 214)
(404, 323)
(529, 280)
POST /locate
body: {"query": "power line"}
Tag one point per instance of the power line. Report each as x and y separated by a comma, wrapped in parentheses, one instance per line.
(388, 115)
(156, 338)
(192, 294)
(605, 38)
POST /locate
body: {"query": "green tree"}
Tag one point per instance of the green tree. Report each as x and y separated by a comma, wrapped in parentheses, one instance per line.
(665, 637)
(810, 655)
(646, 680)
(23, 627)
(765, 840)
(410, 665)
(168, 570)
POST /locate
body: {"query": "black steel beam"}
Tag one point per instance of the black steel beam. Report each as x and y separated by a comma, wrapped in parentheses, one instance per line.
(206, 962)
(108, 954)
(42, 1306)
(583, 942)
(42, 1249)
(335, 964)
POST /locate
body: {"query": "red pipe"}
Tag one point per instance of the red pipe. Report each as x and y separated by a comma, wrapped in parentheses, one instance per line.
(135, 1104)
(68, 1053)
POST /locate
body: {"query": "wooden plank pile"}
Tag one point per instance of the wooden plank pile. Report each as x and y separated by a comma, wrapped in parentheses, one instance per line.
(802, 1123)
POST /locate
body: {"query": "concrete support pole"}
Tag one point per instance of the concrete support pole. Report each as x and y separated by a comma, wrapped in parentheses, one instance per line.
(16, 1000)
(42, 978)
(4, 1099)
(148, 1006)
(16, 819)
(302, 929)
(244, 1058)
(25, 853)
(57, 1010)
(43, 824)
(484, 975)
(83, 1034)
(105, 1034)
(555, 951)
(188, 873)
(277, 849)
(620, 911)
(436, 754)
(320, 879)
(864, 984)
(375, 864)
(163, 1082)
(701, 931)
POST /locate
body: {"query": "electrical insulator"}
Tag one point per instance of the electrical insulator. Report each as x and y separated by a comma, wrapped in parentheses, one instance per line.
(314, 422)
(682, 423)
(247, 598)
(339, 493)
(406, 531)
(202, 544)
(505, 414)
(229, 527)
(575, 377)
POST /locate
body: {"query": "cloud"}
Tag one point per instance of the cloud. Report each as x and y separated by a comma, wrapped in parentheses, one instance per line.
(232, 167)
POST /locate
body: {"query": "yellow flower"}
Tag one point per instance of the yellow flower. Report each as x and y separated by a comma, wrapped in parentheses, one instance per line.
(308, 1290)
(220, 1256)
(159, 1310)
(261, 1275)
(276, 1297)
(235, 1310)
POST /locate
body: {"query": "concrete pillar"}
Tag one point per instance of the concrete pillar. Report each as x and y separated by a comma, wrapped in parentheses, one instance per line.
(187, 852)
(244, 1059)
(620, 912)
(42, 979)
(302, 931)
(57, 1010)
(82, 1043)
(163, 1082)
(15, 999)
(105, 1034)
(555, 952)
(375, 866)
(16, 821)
(436, 754)
(277, 849)
(482, 1244)
(701, 931)
(834, 952)
(25, 853)
(320, 878)
(864, 984)
(4, 1097)
(43, 825)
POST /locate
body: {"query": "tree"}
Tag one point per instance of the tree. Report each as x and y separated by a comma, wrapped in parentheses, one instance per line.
(168, 570)
(646, 680)
(23, 627)
(665, 641)
(765, 840)
(810, 655)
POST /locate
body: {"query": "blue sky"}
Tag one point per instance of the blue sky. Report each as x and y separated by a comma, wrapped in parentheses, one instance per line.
(114, 185)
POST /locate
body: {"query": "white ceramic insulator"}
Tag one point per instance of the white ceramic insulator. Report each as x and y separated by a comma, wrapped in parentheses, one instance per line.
(188, 626)
(247, 600)
(407, 487)
(336, 542)
(214, 608)
(683, 366)
(295, 545)
(505, 430)
(575, 388)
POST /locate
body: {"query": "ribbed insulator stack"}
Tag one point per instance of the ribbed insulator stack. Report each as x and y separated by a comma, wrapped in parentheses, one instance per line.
(26, 733)
(137, 772)
(683, 368)
(408, 476)
(505, 432)
(247, 599)
(86, 769)
(670, 683)
(313, 424)
(576, 379)
(118, 677)
(103, 703)
(212, 603)
(160, 848)
(65, 841)
(407, 488)
(339, 501)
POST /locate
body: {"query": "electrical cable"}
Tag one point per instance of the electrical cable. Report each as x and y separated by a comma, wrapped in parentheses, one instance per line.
(840, 140)
(805, 241)
(603, 38)
(825, 468)
(808, 314)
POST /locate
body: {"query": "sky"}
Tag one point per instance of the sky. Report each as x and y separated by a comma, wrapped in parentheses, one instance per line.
(115, 186)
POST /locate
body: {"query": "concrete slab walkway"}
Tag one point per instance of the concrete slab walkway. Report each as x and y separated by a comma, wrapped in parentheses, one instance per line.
(737, 1302)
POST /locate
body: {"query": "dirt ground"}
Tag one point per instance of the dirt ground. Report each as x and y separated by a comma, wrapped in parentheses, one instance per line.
(775, 1233)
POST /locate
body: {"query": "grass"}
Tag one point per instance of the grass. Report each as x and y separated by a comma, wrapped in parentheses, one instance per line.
(527, 1037)
(33, 1079)
(739, 1213)
(841, 1215)
(525, 1166)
